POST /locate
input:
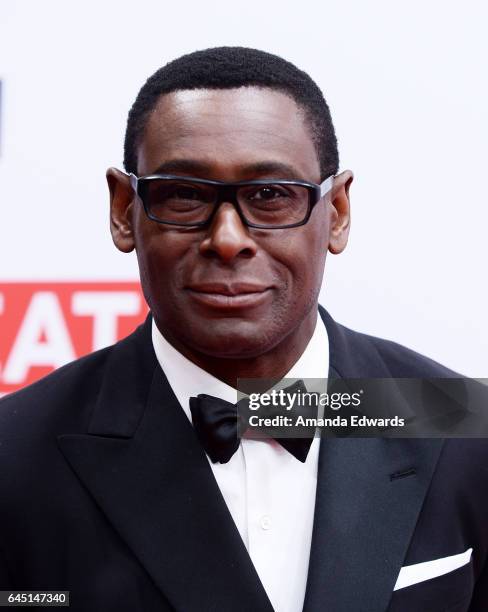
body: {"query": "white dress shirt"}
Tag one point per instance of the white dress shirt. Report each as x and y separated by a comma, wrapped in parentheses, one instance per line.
(269, 493)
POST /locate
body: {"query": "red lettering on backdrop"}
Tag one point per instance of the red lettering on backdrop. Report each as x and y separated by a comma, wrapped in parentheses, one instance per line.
(45, 325)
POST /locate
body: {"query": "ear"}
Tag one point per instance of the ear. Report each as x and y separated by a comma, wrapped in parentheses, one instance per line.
(121, 204)
(340, 214)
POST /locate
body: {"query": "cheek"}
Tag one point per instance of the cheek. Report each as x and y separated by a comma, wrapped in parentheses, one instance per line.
(161, 259)
(303, 254)
(317, 246)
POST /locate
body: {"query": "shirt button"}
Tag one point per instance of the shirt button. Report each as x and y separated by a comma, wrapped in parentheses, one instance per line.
(265, 522)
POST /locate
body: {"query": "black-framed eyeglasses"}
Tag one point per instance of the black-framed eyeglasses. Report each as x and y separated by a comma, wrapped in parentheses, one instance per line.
(192, 202)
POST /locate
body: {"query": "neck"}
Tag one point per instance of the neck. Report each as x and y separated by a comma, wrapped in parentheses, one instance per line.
(274, 363)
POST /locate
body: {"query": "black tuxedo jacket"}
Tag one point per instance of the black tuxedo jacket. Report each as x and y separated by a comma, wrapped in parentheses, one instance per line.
(106, 492)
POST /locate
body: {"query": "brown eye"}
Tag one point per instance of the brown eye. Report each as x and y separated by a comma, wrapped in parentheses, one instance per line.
(184, 192)
(267, 192)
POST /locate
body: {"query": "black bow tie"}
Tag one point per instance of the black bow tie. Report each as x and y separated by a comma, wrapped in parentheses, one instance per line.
(216, 424)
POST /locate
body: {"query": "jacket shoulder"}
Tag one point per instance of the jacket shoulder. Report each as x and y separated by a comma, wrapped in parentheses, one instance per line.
(59, 392)
(359, 355)
(64, 400)
(401, 361)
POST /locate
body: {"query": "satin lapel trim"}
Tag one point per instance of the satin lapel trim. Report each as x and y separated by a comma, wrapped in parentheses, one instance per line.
(158, 491)
(364, 520)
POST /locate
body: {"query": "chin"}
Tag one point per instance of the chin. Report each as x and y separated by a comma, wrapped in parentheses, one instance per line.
(234, 343)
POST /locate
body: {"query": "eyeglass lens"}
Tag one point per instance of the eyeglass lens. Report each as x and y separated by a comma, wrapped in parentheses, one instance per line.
(183, 201)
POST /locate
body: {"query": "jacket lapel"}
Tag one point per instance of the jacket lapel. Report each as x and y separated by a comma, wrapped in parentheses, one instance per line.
(143, 465)
(365, 512)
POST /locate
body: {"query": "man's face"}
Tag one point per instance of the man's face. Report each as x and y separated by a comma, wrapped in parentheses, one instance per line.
(228, 290)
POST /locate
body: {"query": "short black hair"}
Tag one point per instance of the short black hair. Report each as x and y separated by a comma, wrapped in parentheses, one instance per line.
(227, 68)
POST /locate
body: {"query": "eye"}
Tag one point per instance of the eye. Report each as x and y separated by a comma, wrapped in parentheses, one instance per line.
(268, 193)
(185, 192)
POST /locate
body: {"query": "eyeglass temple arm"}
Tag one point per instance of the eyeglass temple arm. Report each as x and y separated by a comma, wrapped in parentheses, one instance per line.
(326, 186)
(133, 181)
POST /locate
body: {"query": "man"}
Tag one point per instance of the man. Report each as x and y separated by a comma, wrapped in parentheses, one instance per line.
(116, 484)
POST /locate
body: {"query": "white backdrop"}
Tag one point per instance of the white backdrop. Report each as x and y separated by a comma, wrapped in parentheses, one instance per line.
(406, 83)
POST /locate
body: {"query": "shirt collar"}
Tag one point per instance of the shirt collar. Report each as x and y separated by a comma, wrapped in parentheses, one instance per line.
(189, 380)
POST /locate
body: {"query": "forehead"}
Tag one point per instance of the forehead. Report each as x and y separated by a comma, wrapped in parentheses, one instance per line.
(227, 131)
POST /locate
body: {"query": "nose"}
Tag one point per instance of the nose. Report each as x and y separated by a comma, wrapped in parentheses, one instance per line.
(227, 236)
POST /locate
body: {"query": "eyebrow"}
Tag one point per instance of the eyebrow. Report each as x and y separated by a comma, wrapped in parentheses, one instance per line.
(195, 167)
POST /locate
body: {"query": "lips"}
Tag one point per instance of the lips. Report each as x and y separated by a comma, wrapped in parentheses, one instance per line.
(230, 289)
(230, 296)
